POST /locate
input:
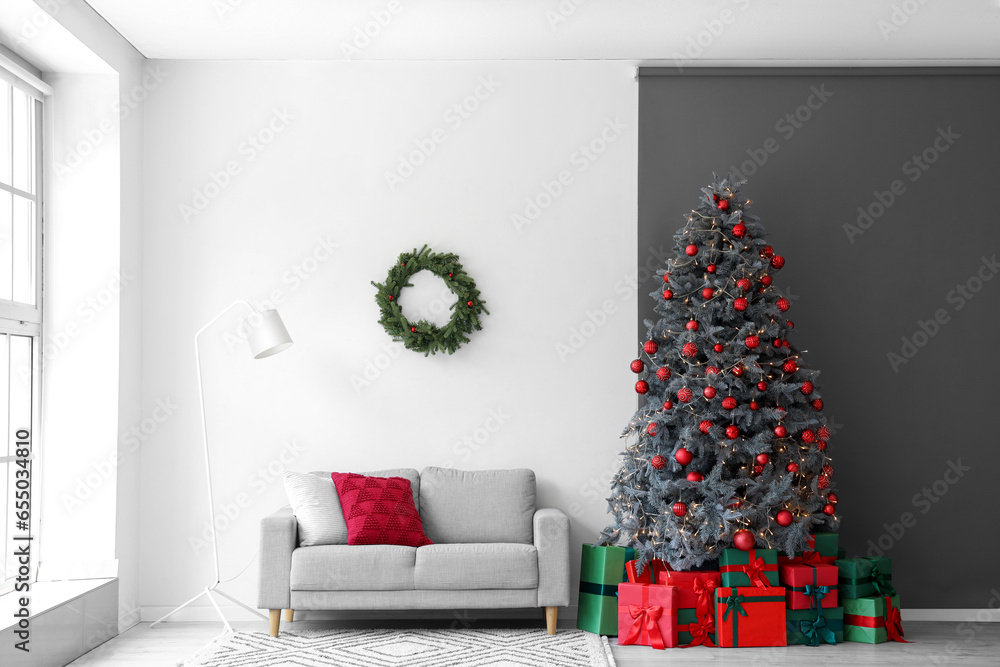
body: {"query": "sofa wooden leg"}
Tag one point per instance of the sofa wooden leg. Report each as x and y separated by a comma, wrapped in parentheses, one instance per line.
(275, 621)
(551, 614)
(289, 614)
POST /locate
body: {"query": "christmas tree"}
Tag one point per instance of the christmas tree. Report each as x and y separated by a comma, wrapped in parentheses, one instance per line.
(730, 446)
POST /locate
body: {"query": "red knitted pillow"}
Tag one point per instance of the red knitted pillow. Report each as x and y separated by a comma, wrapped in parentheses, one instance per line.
(379, 510)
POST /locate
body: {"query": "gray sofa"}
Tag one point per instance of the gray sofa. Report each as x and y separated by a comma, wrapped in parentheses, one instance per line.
(492, 549)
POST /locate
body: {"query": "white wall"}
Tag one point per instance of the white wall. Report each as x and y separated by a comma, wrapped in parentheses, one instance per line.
(335, 129)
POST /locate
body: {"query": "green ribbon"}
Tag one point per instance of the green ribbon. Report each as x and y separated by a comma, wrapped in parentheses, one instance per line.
(734, 601)
(881, 583)
(598, 589)
(816, 629)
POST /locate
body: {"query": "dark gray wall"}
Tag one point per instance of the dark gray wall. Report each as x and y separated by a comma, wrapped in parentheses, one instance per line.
(899, 431)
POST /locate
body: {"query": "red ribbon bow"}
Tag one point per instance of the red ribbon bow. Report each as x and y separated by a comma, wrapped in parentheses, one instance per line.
(755, 570)
(645, 616)
(701, 632)
(893, 623)
(704, 588)
(811, 558)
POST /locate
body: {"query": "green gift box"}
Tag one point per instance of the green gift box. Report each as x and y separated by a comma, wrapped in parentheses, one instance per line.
(804, 626)
(687, 618)
(869, 621)
(741, 568)
(827, 544)
(601, 570)
(864, 577)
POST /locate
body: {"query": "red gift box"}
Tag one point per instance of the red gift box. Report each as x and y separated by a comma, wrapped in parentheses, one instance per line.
(647, 615)
(695, 590)
(809, 586)
(649, 574)
(750, 616)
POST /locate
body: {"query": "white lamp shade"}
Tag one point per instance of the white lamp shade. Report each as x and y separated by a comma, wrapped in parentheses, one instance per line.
(268, 334)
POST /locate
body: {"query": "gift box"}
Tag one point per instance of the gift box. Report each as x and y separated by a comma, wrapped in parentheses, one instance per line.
(873, 620)
(826, 545)
(695, 590)
(647, 615)
(864, 577)
(815, 626)
(601, 570)
(809, 586)
(756, 567)
(750, 616)
(695, 630)
(650, 573)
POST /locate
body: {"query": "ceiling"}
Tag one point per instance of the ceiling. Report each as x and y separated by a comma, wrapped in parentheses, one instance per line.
(728, 30)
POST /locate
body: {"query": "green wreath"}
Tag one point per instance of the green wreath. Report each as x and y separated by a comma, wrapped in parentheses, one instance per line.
(424, 336)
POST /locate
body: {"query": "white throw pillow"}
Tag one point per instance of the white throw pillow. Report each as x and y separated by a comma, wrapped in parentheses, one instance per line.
(316, 507)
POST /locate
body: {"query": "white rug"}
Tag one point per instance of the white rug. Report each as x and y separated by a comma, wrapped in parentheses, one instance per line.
(412, 648)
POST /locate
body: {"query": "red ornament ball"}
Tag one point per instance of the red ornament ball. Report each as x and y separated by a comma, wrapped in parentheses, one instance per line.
(684, 395)
(641, 387)
(767, 251)
(390, 297)
(762, 459)
(744, 284)
(413, 329)
(651, 429)
(668, 295)
(692, 325)
(777, 261)
(738, 370)
(832, 497)
(791, 325)
(829, 509)
(650, 347)
(663, 374)
(792, 467)
(740, 304)
(762, 386)
(689, 350)
(667, 405)
(740, 230)
(776, 342)
(823, 433)
(469, 304)
(732, 432)
(766, 281)
(744, 540)
(828, 470)
(658, 462)
(710, 268)
(704, 426)
(821, 446)
(709, 392)
(754, 405)
(666, 277)
(711, 370)
(817, 404)
(729, 403)
(680, 509)
(783, 303)
(723, 205)
(785, 344)
(691, 250)
(637, 366)
(735, 503)
(808, 436)
(783, 518)
(758, 469)
(451, 275)
(790, 366)
(822, 482)
(780, 431)
(683, 456)
(715, 198)
(807, 387)
(718, 347)
(695, 476)
(707, 293)
(752, 342)
(780, 411)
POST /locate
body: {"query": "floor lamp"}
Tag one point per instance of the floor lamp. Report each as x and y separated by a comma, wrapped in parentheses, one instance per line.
(267, 337)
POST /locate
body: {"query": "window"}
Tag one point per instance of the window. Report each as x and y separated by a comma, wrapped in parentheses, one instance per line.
(20, 310)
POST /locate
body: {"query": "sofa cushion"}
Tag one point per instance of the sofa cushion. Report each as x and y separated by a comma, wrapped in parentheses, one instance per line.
(339, 567)
(408, 473)
(480, 566)
(461, 506)
(379, 510)
(317, 509)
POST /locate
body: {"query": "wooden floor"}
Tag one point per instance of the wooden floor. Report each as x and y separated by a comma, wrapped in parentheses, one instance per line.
(933, 644)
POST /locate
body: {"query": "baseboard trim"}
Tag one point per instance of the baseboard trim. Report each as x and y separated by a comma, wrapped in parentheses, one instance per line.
(204, 614)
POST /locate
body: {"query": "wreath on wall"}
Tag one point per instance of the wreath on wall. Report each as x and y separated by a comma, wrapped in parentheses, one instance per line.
(424, 336)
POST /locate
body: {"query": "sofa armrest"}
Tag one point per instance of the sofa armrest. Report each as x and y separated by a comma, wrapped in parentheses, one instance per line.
(278, 539)
(551, 530)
